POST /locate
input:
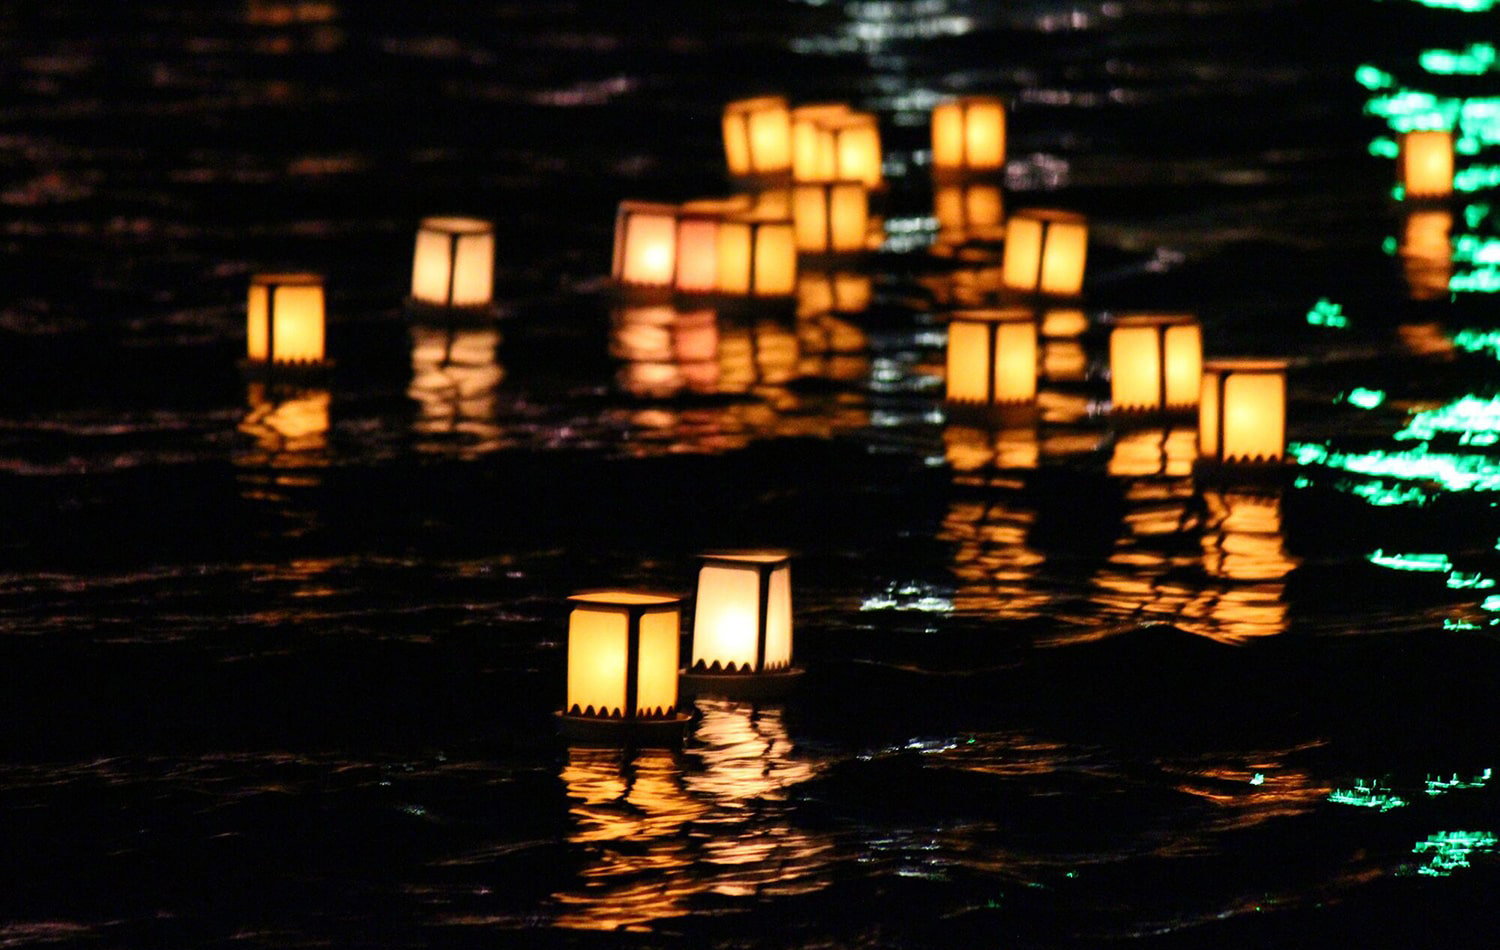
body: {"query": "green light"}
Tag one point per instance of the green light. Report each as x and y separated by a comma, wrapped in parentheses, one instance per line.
(1475, 214)
(1476, 581)
(1259, 778)
(1478, 420)
(1390, 246)
(1478, 59)
(1452, 624)
(1363, 398)
(1476, 178)
(1450, 850)
(1373, 79)
(1476, 341)
(1384, 148)
(1326, 313)
(1492, 604)
(1461, 6)
(1437, 786)
(1410, 562)
(1453, 472)
(1366, 795)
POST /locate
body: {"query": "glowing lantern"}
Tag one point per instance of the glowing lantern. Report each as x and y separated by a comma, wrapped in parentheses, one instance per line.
(454, 263)
(814, 154)
(1425, 165)
(856, 148)
(968, 135)
(1242, 411)
(742, 619)
(1045, 252)
(757, 256)
(622, 665)
(969, 212)
(757, 137)
(646, 245)
(285, 320)
(992, 357)
(830, 217)
(1155, 362)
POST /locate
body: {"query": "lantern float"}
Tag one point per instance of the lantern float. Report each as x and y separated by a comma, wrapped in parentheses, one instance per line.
(284, 325)
(992, 360)
(453, 266)
(1242, 412)
(622, 668)
(757, 137)
(1045, 252)
(1425, 163)
(1155, 362)
(742, 625)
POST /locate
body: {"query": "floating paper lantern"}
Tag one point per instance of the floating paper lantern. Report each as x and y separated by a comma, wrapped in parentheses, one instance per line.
(454, 263)
(622, 665)
(973, 211)
(757, 256)
(856, 148)
(1155, 362)
(992, 357)
(1425, 163)
(968, 135)
(757, 137)
(742, 620)
(814, 155)
(1242, 411)
(830, 217)
(285, 320)
(645, 245)
(1045, 252)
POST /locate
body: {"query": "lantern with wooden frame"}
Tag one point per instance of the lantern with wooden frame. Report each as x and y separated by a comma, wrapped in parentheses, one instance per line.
(1242, 412)
(968, 136)
(622, 668)
(757, 137)
(830, 217)
(453, 266)
(992, 360)
(1155, 362)
(285, 323)
(1045, 252)
(1425, 164)
(742, 625)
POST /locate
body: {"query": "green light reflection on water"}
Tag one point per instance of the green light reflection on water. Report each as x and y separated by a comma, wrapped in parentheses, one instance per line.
(1478, 341)
(1450, 850)
(1438, 786)
(1367, 795)
(1363, 398)
(1410, 562)
(1456, 472)
(1459, 6)
(1476, 420)
(1476, 60)
(1326, 313)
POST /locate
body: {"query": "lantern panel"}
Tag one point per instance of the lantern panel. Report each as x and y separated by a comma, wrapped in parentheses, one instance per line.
(757, 136)
(857, 149)
(1426, 163)
(1063, 258)
(778, 652)
(736, 144)
(474, 270)
(848, 211)
(984, 135)
(1184, 374)
(726, 616)
(429, 269)
(948, 135)
(656, 679)
(295, 303)
(1208, 417)
(735, 248)
(1023, 252)
(1015, 361)
(646, 244)
(1134, 368)
(1254, 416)
(698, 255)
(968, 362)
(597, 643)
(814, 149)
(810, 217)
(1066, 322)
(775, 259)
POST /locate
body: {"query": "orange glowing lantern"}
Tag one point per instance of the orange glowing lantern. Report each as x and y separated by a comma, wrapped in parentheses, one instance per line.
(285, 320)
(742, 623)
(1425, 163)
(830, 217)
(1155, 362)
(757, 137)
(968, 136)
(992, 357)
(856, 148)
(757, 256)
(814, 154)
(646, 245)
(622, 666)
(1242, 411)
(454, 263)
(972, 211)
(1045, 252)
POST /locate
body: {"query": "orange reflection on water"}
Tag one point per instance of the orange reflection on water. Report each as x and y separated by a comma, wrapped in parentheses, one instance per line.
(756, 353)
(832, 348)
(454, 375)
(289, 426)
(1427, 253)
(1244, 550)
(975, 449)
(666, 351)
(1155, 451)
(993, 564)
(1144, 578)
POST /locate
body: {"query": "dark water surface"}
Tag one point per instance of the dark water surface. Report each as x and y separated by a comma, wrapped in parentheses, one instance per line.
(277, 668)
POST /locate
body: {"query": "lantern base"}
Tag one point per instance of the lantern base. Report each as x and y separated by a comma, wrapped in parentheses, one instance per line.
(421, 311)
(649, 733)
(739, 685)
(1149, 418)
(1000, 416)
(266, 371)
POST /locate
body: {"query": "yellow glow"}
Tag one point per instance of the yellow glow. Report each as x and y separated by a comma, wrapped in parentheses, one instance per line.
(968, 134)
(1045, 252)
(1253, 410)
(656, 680)
(597, 640)
(1137, 347)
(775, 259)
(856, 140)
(456, 254)
(830, 217)
(757, 136)
(814, 151)
(1015, 362)
(1426, 163)
(1427, 253)
(295, 302)
(1065, 322)
(1064, 361)
(645, 244)
(968, 362)
(779, 620)
(735, 244)
(992, 357)
(726, 617)
(698, 254)
(969, 212)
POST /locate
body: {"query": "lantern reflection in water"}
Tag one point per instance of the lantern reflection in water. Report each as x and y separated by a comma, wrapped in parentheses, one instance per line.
(756, 353)
(290, 431)
(665, 350)
(1427, 253)
(287, 423)
(994, 565)
(969, 212)
(832, 348)
(1144, 452)
(454, 375)
(1243, 548)
(821, 291)
(1144, 578)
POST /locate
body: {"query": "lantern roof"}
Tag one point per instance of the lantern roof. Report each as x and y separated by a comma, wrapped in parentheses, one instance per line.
(994, 315)
(758, 556)
(609, 597)
(457, 224)
(1245, 364)
(291, 278)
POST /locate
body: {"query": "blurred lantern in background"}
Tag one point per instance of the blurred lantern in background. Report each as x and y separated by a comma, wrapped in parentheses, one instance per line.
(285, 321)
(1155, 362)
(1045, 252)
(1242, 411)
(830, 217)
(454, 263)
(757, 137)
(1425, 163)
(968, 136)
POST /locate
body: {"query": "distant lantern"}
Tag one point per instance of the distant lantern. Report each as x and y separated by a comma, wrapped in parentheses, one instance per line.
(285, 320)
(757, 137)
(454, 263)
(1155, 362)
(973, 211)
(814, 153)
(622, 666)
(645, 245)
(1242, 411)
(757, 256)
(992, 357)
(742, 620)
(1425, 165)
(968, 135)
(830, 217)
(856, 148)
(1045, 252)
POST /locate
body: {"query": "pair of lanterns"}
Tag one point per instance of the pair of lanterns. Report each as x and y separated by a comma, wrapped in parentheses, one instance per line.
(708, 247)
(765, 139)
(623, 648)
